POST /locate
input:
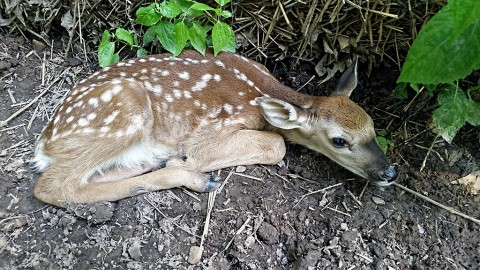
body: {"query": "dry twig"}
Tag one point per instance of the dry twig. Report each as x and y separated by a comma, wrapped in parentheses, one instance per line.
(449, 209)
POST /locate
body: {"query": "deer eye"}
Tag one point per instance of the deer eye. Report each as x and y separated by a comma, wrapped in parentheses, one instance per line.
(339, 142)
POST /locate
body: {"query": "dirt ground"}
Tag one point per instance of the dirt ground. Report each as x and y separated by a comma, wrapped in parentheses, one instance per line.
(304, 213)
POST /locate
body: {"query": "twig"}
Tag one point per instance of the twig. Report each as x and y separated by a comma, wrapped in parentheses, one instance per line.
(211, 202)
(186, 191)
(276, 174)
(17, 113)
(363, 190)
(338, 211)
(14, 127)
(424, 163)
(314, 192)
(24, 215)
(369, 260)
(242, 228)
(295, 176)
(373, 11)
(449, 209)
(225, 181)
(248, 176)
(354, 198)
(285, 15)
(171, 220)
(309, 80)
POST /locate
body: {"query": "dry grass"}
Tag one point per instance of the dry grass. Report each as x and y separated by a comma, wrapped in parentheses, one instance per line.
(299, 30)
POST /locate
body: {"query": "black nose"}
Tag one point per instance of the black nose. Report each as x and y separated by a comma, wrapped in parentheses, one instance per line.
(390, 174)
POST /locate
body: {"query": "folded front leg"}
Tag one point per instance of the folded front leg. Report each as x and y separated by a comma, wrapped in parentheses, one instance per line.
(239, 147)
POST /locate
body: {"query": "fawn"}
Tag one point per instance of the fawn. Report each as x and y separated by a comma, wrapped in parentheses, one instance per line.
(160, 122)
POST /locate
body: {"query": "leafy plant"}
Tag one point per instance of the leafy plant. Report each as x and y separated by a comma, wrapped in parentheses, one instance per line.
(446, 50)
(176, 24)
(383, 142)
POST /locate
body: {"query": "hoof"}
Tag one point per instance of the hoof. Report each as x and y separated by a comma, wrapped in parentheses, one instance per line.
(161, 165)
(212, 184)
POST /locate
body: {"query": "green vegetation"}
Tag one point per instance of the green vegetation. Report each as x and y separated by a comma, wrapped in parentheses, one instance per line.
(447, 50)
(383, 142)
(176, 24)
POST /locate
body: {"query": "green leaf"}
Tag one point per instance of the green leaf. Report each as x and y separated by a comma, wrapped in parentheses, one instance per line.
(415, 87)
(222, 2)
(223, 38)
(383, 143)
(185, 6)
(201, 7)
(207, 27)
(169, 9)
(400, 91)
(150, 34)
(148, 15)
(226, 14)
(106, 55)
(472, 109)
(447, 48)
(446, 94)
(455, 110)
(181, 37)
(124, 35)
(166, 35)
(197, 36)
(105, 37)
(141, 52)
(115, 58)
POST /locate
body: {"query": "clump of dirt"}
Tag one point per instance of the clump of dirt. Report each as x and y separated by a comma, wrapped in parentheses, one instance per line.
(304, 213)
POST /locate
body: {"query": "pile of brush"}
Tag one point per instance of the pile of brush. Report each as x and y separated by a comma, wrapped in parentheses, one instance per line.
(323, 31)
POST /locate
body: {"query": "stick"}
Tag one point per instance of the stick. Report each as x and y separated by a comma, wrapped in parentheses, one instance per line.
(354, 198)
(449, 209)
(17, 113)
(338, 211)
(211, 202)
(250, 177)
(242, 228)
(317, 191)
(171, 220)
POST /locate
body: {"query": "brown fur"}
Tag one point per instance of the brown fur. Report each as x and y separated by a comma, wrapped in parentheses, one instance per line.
(219, 126)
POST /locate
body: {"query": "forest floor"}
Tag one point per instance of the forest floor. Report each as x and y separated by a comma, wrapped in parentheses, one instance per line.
(304, 213)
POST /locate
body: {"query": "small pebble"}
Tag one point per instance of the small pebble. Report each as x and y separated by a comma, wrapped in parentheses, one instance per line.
(421, 230)
(240, 169)
(197, 206)
(134, 250)
(249, 241)
(195, 254)
(378, 201)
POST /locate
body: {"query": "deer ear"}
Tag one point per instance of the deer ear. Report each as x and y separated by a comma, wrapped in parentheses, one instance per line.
(347, 82)
(280, 114)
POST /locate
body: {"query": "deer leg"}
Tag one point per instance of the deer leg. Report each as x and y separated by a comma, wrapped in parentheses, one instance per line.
(240, 147)
(72, 177)
(61, 191)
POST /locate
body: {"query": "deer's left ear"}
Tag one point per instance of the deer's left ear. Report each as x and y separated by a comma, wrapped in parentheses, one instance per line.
(347, 82)
(281, 114)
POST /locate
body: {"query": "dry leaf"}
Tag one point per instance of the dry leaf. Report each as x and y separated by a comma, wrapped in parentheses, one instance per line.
(471, 181)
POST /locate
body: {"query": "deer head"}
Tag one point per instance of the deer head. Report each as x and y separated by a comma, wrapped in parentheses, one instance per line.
(334, 126)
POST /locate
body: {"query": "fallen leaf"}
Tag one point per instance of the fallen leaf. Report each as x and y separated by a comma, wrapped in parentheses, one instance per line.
(471, 181)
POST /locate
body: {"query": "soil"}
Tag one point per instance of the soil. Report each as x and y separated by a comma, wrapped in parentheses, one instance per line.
(304, 213)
